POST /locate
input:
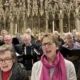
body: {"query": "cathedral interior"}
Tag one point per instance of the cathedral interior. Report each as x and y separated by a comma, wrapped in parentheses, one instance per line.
(39, 15)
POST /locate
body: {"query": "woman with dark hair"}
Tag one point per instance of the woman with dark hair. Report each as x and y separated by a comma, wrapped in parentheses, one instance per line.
(9, 68)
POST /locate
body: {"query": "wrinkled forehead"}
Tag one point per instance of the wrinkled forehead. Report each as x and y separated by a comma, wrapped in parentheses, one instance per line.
(5, 54)
(27, 37)
(47, 39)
(7, 37)
(28, 31)
(4, 32)
(69, 37)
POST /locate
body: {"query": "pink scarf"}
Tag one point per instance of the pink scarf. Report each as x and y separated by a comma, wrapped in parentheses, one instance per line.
(59, 72)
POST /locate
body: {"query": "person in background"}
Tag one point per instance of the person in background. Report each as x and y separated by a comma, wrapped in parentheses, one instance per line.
(29, 51)
(8, 40)
(1, 40)
(29, 32)
(71, 44)
(3, 34)
(77, 37)
(9, 68)
(14, 39)
(52, 65)
(60, 40)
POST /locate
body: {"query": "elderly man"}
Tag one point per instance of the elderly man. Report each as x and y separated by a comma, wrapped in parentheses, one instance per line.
(77, 37)
(29, 52)
(60, 40)
(29, 32)
(71, 44)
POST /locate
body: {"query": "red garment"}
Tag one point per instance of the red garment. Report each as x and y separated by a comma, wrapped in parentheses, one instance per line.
(60, 71)
(5, 75)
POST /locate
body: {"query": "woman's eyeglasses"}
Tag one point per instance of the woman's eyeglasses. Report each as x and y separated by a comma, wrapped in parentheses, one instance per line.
(7, 60)
(48, 43)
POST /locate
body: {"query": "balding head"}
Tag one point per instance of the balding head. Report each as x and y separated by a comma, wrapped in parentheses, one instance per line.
(28, 31)
(56, 34)
(27, 39)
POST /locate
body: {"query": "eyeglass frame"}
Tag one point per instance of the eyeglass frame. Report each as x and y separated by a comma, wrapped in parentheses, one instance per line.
(48, 43)
(7, 60)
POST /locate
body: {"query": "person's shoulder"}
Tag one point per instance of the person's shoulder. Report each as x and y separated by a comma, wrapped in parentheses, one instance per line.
(69, 64)
(18, 66)
(37, 65)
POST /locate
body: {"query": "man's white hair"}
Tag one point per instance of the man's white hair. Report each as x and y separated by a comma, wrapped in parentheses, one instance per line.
(27, 36)
(69, 34)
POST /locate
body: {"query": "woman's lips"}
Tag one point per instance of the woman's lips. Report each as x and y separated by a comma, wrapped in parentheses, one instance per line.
(5, 66)
(48, 51)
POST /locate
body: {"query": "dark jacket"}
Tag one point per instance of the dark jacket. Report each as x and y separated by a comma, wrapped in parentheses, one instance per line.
(18, 72)
(31, 54)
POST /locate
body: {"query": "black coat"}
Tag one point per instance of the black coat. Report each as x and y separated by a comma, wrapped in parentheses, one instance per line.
(30, 57)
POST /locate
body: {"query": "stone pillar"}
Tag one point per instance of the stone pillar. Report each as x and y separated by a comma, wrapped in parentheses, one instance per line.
(24, 21)
(46, 22)
(69, 22)
(16, 28)
(24, 15)
(76, 15)
(11, 26)
(61, 26)
(77, 24)
(77, 19)
(60, 17)
(53, 25)
(61, 23)
(60, 3)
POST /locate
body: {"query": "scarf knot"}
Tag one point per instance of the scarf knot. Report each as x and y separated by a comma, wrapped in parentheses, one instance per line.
(58, 64)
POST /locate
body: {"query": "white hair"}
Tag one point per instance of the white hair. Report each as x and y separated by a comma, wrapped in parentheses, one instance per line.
(69, 34)
(27, 36)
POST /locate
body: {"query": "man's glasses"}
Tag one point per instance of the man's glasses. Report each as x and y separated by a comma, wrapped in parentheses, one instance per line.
(7, 60)
(48, 43)
(7, 40)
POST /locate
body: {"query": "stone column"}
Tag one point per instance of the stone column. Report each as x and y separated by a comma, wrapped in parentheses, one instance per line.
(46, 22)
(60, 17)
(11, 26)
(16, 28)
(69, 22)
(46, 15)
(60, 3)
(24, 15)
(77, 19)
(53, 25)
(61, 23)
(76, 15)
(77, 24)
(24, 21)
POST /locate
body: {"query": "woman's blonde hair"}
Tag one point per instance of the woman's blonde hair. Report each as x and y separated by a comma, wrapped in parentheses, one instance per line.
(54, 39)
